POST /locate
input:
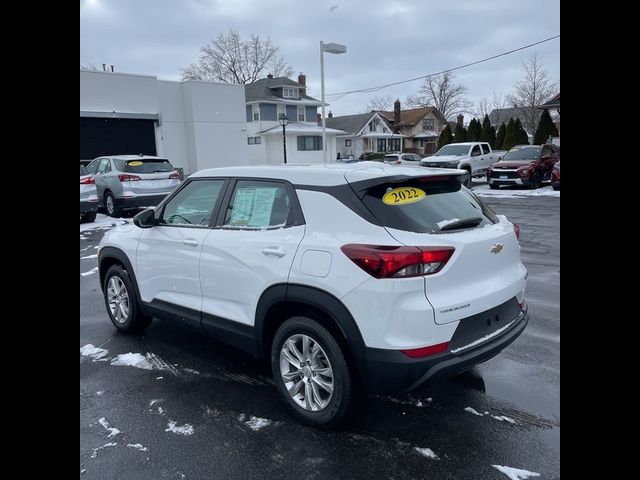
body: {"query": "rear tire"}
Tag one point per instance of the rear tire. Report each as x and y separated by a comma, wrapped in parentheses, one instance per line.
(468, 180)
(121, 302)
(536, 180)
(110, 205)
(494, 187)
(322, 364)
(89, 217)
(556, 187)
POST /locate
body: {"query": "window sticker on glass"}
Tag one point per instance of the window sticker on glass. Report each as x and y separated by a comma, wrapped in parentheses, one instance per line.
(242, 207)
(262, 206)
(135, 163)
(403, 195)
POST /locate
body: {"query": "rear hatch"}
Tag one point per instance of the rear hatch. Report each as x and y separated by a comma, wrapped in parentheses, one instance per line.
(150, 176)
(485, 269)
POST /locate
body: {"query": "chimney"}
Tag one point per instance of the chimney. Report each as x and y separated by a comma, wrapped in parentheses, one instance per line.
(302, 79)
(330, 114)
(318, 118)
(396, 112)
(460, 119)
(270, 76)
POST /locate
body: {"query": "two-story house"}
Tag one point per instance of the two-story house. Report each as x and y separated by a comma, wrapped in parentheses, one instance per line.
(419, 127)
(267, 100)
(364, 133)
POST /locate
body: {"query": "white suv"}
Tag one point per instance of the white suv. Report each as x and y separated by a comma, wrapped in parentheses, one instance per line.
(341, 276)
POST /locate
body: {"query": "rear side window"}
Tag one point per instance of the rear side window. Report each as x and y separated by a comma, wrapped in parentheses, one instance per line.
(443, 203)
(258, 204)
(144, 165)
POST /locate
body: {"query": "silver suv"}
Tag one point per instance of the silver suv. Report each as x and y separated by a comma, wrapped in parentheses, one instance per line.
(132, 181)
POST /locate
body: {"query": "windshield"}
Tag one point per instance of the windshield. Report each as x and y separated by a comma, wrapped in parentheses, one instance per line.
(522, 153)
(438, 204)
(144, 165)
(456, 150)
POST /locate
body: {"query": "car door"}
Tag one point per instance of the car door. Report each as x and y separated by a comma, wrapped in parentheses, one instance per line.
(475, 159)
(94, 168)
(168, 254)
(251, 248)
(488, 158)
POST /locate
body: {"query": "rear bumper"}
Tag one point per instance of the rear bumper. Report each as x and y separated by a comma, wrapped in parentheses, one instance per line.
(139, 201)
(389, 371)
(88, 206)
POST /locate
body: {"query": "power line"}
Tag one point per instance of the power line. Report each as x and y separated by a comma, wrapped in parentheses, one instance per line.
(380, 87)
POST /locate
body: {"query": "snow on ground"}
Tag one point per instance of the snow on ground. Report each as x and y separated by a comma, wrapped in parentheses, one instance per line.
(137, 446)
(185, 429)
(426, 452)
(106, 445)
(112, 430)
(132, 360)
(507, 192)
(256, 423)
(93, 352)
(504, 418)
(103, 222)
(516, 473)
(471, 410)
(95, 255)
(90, 272)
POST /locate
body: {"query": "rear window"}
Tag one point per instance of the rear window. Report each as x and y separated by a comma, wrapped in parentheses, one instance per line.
(144, 165)
(83, 170)
(439, 204)
(390, 158)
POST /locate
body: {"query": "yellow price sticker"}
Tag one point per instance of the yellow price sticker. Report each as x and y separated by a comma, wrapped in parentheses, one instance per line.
(403, 195)
(135, 163)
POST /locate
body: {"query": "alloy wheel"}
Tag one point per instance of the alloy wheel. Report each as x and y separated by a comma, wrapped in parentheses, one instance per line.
(118, 299)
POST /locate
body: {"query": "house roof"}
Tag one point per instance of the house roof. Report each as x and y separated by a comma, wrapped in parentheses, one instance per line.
(411, 117)
(553, 103)
(351, 124)
(499, 115)
(263, 89)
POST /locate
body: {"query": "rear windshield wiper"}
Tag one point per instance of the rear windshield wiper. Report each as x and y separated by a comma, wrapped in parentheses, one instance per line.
(467, 222)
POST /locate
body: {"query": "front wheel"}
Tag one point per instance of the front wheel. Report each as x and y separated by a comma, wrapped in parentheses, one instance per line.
(89, 217)
(536, 181)
(122, 304)
(311, 373)
(467, 181)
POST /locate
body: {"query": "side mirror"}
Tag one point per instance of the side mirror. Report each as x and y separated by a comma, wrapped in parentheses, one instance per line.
(145, 219)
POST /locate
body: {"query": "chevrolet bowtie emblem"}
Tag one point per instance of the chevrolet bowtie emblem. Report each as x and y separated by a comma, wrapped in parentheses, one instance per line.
(497, 248)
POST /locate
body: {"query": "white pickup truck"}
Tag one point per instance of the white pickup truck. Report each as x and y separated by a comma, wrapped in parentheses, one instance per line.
(474, 157)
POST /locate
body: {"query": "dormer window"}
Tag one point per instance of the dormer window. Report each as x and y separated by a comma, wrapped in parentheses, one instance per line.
(290, 92)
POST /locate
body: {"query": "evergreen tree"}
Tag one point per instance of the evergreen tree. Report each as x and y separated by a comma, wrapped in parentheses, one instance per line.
(485, 132)
(460, 135)
(474, 131)
(492, 138)
(446, 137)
(523, 138)
(502, 132)
(511, 137)
(546, 128)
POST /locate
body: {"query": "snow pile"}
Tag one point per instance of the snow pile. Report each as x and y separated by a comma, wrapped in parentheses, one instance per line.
(471, 410)
(95, 255)
(103, 222)
(132, 360)
(137, 446)
(256, 423)
(485, 191)
(93, 352)
(185, 429)
(90, 272)
(112, 431)
(447, 222)
(426, 452)
(516, 473)
(504, 418)
(95, 450)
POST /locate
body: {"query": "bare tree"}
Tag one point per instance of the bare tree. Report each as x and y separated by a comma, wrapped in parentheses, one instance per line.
(535, 88)
(486, 106)
(483, 108)
(380, 103)
(441, 92)
(231, 59)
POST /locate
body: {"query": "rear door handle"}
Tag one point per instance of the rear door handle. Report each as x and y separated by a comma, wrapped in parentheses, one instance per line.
(190, 242)
(274, 251)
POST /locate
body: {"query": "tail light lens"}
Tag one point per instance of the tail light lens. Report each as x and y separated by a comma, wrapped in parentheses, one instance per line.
(125, 177)
(382, 261)
(426, 351)
(174, 175)
(516, 229)
(88, 180)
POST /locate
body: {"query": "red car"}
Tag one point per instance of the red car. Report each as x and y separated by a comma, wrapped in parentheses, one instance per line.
(525, 165)
(555, 176)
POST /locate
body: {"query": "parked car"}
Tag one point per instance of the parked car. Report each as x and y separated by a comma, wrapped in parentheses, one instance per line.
(555, 176)
(402, 159)
(132, 181)
(474, 157)
(88, 196)
(525, 165)
(363, 274)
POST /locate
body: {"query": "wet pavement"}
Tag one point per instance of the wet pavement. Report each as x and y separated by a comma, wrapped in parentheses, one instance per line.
(208, 411)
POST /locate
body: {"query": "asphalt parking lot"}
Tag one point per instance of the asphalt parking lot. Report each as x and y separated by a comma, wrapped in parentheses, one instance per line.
(187, 407)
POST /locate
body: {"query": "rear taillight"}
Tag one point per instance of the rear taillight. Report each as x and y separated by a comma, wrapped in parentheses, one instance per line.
(125, 177)
(382, 261)
(426, 351)
(516, 229)
(175, 175)
(88, 181)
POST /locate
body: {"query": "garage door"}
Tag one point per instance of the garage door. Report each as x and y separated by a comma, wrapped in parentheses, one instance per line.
(116, 136)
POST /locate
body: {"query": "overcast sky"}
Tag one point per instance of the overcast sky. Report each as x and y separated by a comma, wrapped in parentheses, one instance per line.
(386, 41)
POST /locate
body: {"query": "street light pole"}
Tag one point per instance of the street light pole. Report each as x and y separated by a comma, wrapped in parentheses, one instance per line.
(283, 121)
(334, 48)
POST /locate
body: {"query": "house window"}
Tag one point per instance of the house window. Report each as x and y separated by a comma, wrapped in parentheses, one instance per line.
(256, 112)
(419, 143)
(427, 124)
(382, 144)
(347, 143)
(281, 110)
(301, 114)
(394, 145)
(290, 92)
(373, 125)
(254, 140)
(306, 143)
